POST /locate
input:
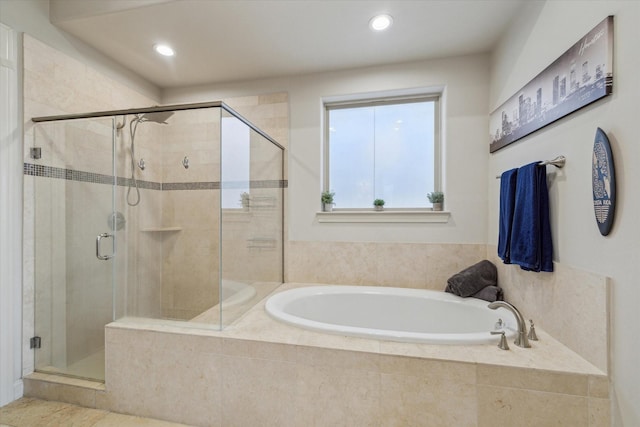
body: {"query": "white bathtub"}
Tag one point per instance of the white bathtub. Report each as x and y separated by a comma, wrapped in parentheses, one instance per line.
(396, 314)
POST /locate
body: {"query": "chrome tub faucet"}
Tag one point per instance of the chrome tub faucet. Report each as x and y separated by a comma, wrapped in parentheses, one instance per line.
(522, 339)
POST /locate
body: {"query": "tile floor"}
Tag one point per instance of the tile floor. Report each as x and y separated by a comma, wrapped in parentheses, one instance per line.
(29, 412)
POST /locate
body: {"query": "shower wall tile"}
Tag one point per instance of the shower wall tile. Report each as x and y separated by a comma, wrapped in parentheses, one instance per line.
(269, 112)
(197, 140)
(147, 147)
(190, 256)
(71, 86)
(88, 145)
(273, 98)
(570, 304)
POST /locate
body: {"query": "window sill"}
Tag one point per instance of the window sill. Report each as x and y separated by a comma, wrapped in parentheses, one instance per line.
(389, 216)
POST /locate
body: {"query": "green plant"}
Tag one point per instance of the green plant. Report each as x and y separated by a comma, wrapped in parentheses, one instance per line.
(436, 197)
(378, 202)
(244, 200)
(327, 197)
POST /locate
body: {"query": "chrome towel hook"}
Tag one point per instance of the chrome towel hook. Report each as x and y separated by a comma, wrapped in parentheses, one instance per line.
(185, 162)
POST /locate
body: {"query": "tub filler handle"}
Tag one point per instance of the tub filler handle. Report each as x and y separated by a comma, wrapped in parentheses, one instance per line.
(503, 340)
(532, 332)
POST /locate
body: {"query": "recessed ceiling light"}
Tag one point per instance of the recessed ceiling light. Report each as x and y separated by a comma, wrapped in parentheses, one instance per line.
(380, 22)
(164, 50)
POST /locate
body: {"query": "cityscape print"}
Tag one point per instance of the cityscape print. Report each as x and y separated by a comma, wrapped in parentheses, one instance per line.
(580, 76)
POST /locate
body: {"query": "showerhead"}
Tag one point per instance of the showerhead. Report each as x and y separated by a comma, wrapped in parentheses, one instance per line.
(157, 117)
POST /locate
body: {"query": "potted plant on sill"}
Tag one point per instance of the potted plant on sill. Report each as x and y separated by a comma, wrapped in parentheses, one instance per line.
(244, 201)
(378, 204)
(327, 201)
(436, 198)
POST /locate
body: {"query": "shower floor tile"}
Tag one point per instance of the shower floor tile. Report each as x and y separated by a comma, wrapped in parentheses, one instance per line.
(29, 412)
(91, 367)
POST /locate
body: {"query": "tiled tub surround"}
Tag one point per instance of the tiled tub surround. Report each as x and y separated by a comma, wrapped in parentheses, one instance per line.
(407, 265)
(571, 304)
(262, 372)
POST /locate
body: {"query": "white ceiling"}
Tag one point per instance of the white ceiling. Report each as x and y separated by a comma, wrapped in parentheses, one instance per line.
(232, 40)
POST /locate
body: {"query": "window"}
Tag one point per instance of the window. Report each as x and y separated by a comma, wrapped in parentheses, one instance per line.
(383, 149)
(235, 166)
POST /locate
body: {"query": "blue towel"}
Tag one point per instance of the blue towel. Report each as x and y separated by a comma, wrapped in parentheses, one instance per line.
(531, 245)
(507, 203)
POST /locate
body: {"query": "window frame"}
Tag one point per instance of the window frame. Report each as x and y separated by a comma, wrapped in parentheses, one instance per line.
(372, 101)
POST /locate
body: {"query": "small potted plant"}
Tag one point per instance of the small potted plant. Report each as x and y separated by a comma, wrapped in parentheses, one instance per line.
(244, 200)
(378, 204)
(436, 198)
(327, 201)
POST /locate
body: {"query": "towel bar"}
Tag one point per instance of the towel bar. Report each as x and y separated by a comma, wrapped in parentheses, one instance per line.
(558, 162)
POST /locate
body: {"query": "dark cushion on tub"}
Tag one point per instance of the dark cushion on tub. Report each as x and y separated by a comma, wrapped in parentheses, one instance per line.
(473, 279)
(490, 293)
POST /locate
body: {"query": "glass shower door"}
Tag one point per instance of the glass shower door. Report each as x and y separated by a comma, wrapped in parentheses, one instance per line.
(72, 170)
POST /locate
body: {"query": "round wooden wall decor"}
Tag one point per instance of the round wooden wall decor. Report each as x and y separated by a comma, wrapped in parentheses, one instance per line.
(603, 179)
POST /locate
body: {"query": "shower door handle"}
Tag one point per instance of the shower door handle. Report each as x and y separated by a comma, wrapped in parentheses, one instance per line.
(98, 254)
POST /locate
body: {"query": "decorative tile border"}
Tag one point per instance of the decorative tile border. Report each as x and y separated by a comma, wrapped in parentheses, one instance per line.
(148, 185)
(190, 186)
(97, 178)
(68, 174)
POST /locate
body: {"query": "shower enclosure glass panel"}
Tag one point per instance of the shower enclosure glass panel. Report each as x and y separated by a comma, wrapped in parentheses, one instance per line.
(157, 215)
(251, 257)
(73, 201)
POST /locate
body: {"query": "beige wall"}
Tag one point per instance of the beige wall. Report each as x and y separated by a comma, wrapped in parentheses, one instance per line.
(542, 33)
(465, 111)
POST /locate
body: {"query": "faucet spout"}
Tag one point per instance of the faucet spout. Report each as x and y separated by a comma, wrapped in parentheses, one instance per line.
(521, 339)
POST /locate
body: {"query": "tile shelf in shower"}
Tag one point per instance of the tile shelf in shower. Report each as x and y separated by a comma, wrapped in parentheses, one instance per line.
(160, 229)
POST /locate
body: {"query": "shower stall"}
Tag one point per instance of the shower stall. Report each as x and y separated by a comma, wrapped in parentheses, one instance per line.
(165, 214)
